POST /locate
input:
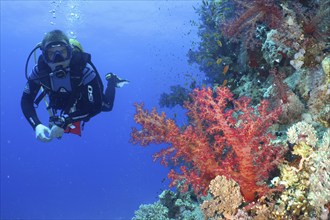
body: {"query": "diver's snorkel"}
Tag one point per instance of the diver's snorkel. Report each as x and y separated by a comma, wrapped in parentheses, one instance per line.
(38, 46)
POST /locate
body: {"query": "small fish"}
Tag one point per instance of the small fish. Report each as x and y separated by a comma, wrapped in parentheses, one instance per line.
(219, 60)
(209, 64)
(219, 43)
(225, 70)
(224, 82)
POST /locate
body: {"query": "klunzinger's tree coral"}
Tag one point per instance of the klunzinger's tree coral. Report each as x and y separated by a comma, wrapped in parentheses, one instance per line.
(225, 136)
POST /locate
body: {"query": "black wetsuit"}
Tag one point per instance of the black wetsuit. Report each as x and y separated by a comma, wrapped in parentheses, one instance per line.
(79, 94)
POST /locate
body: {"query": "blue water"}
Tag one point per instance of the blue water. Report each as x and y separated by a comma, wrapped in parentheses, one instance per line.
(100, 175)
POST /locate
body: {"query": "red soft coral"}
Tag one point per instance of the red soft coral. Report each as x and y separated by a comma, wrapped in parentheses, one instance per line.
(252, 13)
(315, 20)
(225, 137)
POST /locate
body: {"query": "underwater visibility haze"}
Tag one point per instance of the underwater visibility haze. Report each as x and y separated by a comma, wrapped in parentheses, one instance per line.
(226, 115)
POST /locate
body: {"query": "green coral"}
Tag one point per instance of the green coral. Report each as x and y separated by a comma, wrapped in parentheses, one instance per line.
(177, 96)
(182, 206)
(171, 205)
(151, 212)
(211, 53)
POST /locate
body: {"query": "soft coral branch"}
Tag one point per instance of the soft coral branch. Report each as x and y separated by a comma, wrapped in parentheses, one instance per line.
(254, 12)
(220, 140)
(315, 20)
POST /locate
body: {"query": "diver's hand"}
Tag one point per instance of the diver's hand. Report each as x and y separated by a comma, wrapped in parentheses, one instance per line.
(61, 121)
(43, 133)
(56, 132)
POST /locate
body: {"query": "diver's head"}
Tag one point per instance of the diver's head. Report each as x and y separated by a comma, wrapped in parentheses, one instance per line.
(56, 49)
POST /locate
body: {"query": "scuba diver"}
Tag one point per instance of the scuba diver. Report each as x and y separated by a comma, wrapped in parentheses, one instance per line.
(75, 90)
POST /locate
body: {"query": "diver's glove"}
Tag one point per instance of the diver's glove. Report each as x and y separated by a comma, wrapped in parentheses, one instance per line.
(56, 132)
(43, 133)
(113, 79)
(61, 121)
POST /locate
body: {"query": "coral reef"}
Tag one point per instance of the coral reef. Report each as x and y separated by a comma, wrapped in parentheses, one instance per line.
(170, 206)
(226, 198)
(306, 182)
(244, 86)
(253, 13)
(292, 110)
(211, 54)
(306, 191)
(318, 96)
(273, 51)
(151, 211)
(326, 69)
(302, 132)
(177, 96)
(319, 194)
(314, 20)
(261, 49)
(219, 141)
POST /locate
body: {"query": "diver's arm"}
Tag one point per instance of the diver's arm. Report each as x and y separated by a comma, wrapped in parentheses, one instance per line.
(27, 103)
(109, 95)
(90, 102)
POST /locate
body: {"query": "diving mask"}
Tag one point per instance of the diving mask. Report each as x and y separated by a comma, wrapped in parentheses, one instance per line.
(57, 52)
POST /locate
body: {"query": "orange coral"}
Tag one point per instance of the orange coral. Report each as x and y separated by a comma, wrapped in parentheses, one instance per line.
(226, 198)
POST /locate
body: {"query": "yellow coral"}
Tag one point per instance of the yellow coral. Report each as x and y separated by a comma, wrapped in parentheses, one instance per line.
(324, 116)
(302, 150)
(288, 175)
(293, 200)
(326, 68)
